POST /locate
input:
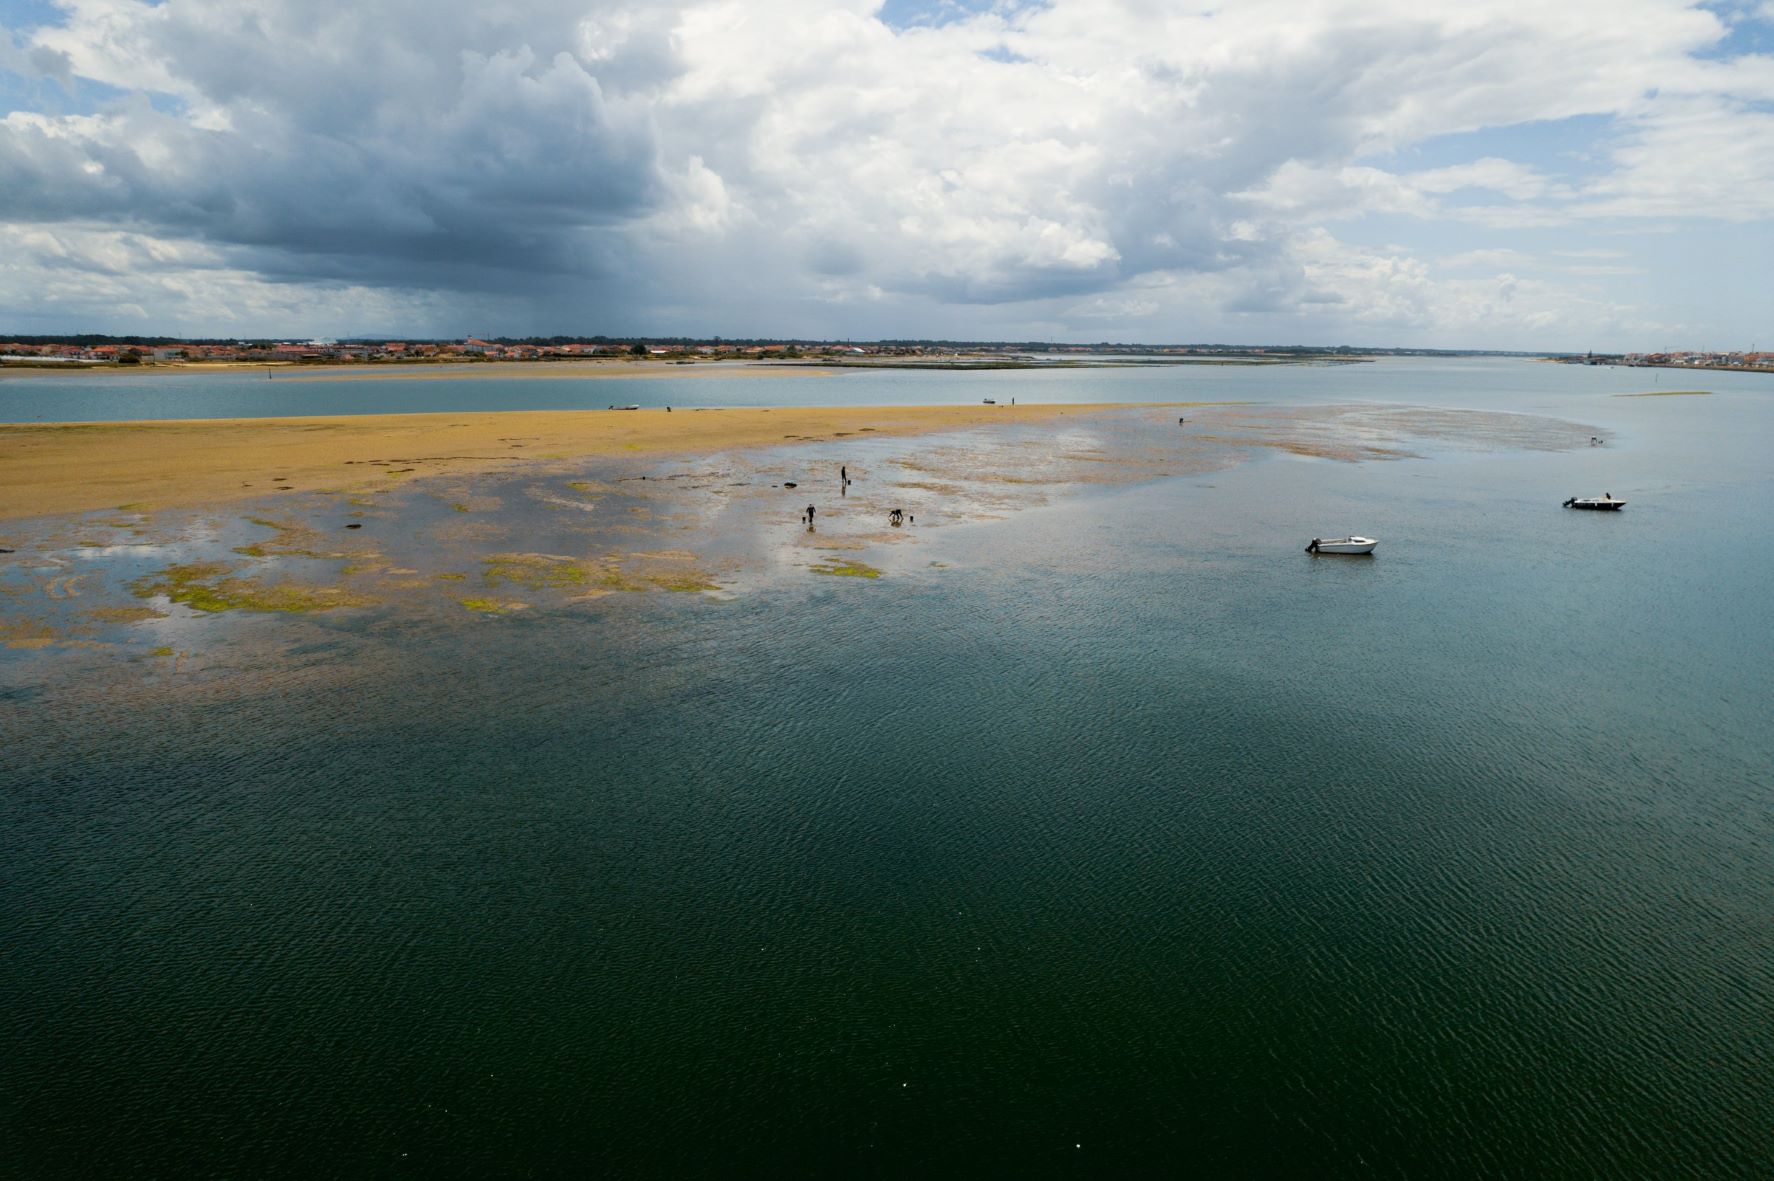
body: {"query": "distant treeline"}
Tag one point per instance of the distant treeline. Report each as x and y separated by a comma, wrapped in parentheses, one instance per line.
(1105, 346)
(94, 340)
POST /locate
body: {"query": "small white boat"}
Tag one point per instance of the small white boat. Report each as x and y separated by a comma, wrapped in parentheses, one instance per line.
(1342, 545)
(1604, 501)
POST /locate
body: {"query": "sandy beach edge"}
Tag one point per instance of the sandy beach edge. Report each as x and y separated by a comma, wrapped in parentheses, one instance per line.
(54, 469)
(285, 371)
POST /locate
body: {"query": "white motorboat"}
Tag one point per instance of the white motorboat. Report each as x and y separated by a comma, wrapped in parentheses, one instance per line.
(1342, 545)
(1604, 501)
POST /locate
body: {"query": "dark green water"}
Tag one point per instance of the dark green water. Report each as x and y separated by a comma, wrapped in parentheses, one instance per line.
(1132, 842)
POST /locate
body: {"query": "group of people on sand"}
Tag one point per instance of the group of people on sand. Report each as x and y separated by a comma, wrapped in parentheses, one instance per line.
(896, 518)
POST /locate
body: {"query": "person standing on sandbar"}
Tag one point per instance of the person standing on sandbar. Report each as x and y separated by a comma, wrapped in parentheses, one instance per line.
(810, 511)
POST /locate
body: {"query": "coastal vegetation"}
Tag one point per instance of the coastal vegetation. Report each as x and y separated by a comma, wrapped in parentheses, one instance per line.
(211, 587)
(484, 606)
(542, 571)
(845, 568)
(291, 540)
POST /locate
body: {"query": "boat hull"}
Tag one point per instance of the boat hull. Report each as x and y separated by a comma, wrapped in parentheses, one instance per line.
(1594, 505)
(1343, 545)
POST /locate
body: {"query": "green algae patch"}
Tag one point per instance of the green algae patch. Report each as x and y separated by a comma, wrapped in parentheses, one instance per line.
(291, 541)
(23, 634)
(493, 606)
(459, 507)
(684, 583)
(449, 577)
(845, 568)
(161, 651)
(543, 571)
(1669, 394)
(613, 579)
(205, 586)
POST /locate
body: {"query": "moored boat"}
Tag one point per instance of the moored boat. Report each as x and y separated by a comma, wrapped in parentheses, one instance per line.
(1604, 501)
(1342, 545)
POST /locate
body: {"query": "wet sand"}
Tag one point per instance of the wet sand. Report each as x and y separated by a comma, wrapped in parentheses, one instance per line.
(56, 468)
(551, 511)
(423, 370)
(547, 370)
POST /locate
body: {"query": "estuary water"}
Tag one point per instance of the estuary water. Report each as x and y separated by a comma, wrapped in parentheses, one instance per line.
(1485, 383)
(1114, 837)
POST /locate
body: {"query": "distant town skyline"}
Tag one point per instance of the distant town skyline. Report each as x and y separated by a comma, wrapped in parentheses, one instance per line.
(1494, 175)
(97, 350)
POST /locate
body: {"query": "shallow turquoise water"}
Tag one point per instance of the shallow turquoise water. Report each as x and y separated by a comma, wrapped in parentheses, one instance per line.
(1131, 840)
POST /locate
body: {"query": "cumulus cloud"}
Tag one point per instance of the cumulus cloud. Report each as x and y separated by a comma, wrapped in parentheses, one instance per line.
(781, 166)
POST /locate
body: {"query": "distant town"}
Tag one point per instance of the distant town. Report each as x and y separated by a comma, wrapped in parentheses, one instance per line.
(130, 350)
(1752, 361)
(93, 350)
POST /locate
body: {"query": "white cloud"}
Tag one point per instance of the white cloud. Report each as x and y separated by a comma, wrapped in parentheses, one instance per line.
(1382, 291)
(51, 278)
(1699, 157)
(586, 164)
(1114, 308)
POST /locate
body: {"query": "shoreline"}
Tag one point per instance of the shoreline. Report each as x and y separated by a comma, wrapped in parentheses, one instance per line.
(55, 469)
(430, 370)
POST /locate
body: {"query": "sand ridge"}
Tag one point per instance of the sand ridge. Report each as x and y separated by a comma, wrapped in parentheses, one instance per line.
(55, 468)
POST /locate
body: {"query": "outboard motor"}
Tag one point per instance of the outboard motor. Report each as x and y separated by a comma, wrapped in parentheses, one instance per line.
(1313, 548)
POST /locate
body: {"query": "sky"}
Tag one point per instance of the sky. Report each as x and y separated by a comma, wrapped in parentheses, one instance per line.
(1497, 174)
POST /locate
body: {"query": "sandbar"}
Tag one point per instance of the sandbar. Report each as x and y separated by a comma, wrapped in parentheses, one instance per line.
(633, 369)
(54, 468)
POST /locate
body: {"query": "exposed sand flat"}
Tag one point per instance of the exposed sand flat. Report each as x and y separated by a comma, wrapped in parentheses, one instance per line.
(549, 370)
(58, 468)
(592, 369)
